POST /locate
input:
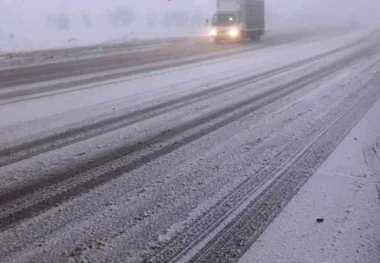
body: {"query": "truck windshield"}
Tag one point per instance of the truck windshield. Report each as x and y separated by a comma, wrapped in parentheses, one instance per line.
(224, 19)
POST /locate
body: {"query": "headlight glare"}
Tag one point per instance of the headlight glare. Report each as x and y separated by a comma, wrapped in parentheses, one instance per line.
(234, 32)
(213, 32)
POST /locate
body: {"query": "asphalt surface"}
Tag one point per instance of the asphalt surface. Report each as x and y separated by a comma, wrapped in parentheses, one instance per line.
(188, 157)
(122, 57)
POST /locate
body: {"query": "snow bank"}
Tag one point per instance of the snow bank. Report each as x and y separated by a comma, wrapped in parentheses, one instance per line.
(336, 215)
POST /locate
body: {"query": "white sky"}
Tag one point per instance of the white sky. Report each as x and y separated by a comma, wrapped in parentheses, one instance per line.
(27, 9)
(26, 19)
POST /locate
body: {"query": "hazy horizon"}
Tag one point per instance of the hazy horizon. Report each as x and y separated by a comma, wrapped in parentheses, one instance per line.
(41, 23)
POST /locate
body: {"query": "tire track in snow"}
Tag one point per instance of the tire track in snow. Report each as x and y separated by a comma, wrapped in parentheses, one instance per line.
(36, 198)
(84, 69)
(228, 229)
(73, 135)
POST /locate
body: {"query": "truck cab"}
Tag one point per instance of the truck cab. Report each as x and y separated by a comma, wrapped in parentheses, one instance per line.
(226, 26)
(235, 20)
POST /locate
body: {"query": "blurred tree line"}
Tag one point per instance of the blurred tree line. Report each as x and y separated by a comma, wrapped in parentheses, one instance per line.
(125, 16)
(59, 21)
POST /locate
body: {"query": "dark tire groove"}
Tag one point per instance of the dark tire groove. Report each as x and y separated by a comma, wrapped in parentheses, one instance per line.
(112, 173)
(11, 77)
(29, 149)
(98, 65)
(189, 60)
(236, 237)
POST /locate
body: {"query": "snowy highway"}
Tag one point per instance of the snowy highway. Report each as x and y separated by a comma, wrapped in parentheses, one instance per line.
(171, 151)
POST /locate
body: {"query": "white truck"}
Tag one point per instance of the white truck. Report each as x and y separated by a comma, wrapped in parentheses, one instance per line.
(235, 20)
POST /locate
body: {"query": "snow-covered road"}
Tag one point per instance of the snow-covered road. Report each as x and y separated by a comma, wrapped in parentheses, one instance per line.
(186, 158)
(344, 194)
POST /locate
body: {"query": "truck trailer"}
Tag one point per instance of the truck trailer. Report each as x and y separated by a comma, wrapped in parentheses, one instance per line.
(235, 20)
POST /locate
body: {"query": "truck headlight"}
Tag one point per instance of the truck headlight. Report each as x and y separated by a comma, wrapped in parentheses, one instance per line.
(213, 32)
(234, 32)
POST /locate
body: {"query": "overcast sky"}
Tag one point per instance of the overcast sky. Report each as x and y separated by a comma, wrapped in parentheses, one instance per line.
(26, 22)
(299, 7)
(101, 4)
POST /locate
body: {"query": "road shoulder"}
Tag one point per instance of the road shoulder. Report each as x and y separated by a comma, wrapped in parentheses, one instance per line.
(336, 215)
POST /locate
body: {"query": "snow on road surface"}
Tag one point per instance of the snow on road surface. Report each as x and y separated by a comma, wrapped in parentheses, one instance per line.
(344, 193)
(186, 79)
(43, 57)
(187, 163)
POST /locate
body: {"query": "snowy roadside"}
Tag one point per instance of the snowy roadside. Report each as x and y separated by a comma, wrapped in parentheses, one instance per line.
(34, 57)
(336, 215)
(49, 56)
(137, 90)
